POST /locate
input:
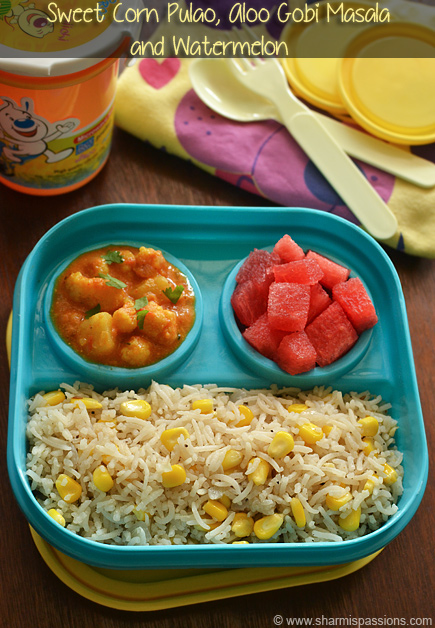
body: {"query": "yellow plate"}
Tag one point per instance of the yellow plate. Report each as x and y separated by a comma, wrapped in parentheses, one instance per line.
(153, 590)
(314, 78)
(158, 589)
(390, 97)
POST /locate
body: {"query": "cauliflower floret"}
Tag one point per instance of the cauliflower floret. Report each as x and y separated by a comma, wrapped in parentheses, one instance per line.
(127, 267)
(149, 262)
(136, 352)
(92, 292)
(160, 325)
(97, 335)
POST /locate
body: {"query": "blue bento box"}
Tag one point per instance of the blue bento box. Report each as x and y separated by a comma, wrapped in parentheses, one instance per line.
(210, 242)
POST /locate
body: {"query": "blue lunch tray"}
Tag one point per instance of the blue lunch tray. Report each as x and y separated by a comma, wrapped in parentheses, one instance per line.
(210, 241)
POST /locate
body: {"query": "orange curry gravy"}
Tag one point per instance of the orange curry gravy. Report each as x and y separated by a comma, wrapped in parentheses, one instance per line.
(107, 324)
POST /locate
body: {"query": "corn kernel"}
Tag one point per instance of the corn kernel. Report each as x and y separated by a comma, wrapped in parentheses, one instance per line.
(298, 512)
(240, 543)
(281, 445)
(136, 408)
(170, 437)
(247, 415)
(370, 484)
(215, 509)
(369, 426)
(390, 475)
(335, 503)
(369, 445)
(350, 522)
(232, 459)
(102, 479)
(204, 405)
(141, 514)
(327, 429)
(68, 489)
(259, 476)
(297, 407)
(226, 501)
(266, 527)
(89, 403)
(175, 477)
(310, 433)
(242, 524)
(54, 397)
(55, 514)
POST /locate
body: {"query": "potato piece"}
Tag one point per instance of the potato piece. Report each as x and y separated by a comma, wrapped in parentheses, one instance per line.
(149, 262)
(136, 352)
(160, 325)
(153, 288)
(97, 335)
(125, 319)
(92, 292)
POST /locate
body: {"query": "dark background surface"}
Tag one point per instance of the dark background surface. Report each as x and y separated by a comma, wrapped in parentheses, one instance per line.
(397, 584)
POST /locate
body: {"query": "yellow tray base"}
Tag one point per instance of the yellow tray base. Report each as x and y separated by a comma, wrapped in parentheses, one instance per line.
(157, 589)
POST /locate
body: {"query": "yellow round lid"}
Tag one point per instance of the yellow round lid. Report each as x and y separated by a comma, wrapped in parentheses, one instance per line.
(392, 97)
(314, 77)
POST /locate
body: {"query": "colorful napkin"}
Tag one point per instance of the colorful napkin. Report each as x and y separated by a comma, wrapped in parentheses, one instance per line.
(156, 102)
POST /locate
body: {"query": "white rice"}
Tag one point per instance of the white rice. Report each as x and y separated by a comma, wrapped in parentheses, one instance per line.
(69, 439)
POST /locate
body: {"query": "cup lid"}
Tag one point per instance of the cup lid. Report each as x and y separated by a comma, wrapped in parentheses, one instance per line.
(372, 76)
(310, 71)
(44, 38)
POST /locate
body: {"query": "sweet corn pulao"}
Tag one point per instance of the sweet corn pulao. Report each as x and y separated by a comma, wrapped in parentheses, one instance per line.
(202, 464)
(123, 306)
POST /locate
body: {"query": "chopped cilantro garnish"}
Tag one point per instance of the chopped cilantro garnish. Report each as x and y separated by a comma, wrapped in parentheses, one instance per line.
(94, 310)
(112, 257)
(112, 282)
(141, 317)
(173, 295)
(140, 303)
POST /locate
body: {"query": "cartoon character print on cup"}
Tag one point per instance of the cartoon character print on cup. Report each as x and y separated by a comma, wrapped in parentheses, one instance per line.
(24, 135)
(27, 17)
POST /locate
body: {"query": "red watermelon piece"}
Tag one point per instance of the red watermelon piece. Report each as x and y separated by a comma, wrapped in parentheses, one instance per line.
(296, 354)
(332, 273)
(356, 303)
(305, 271)
(319, 301)
(249, 301)
(288, 250)
(331, 334)
(256, 266)
(263, 338)
(288, 306)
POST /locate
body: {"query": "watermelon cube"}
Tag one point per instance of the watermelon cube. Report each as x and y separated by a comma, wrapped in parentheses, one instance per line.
(288, 250)
(296, 354)
(331, 334)
(356, 303)
(288, 306)
(305, 271)
(256, 266)
(249, 301)
(332, 273)
(319, 301)
(263, 338)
